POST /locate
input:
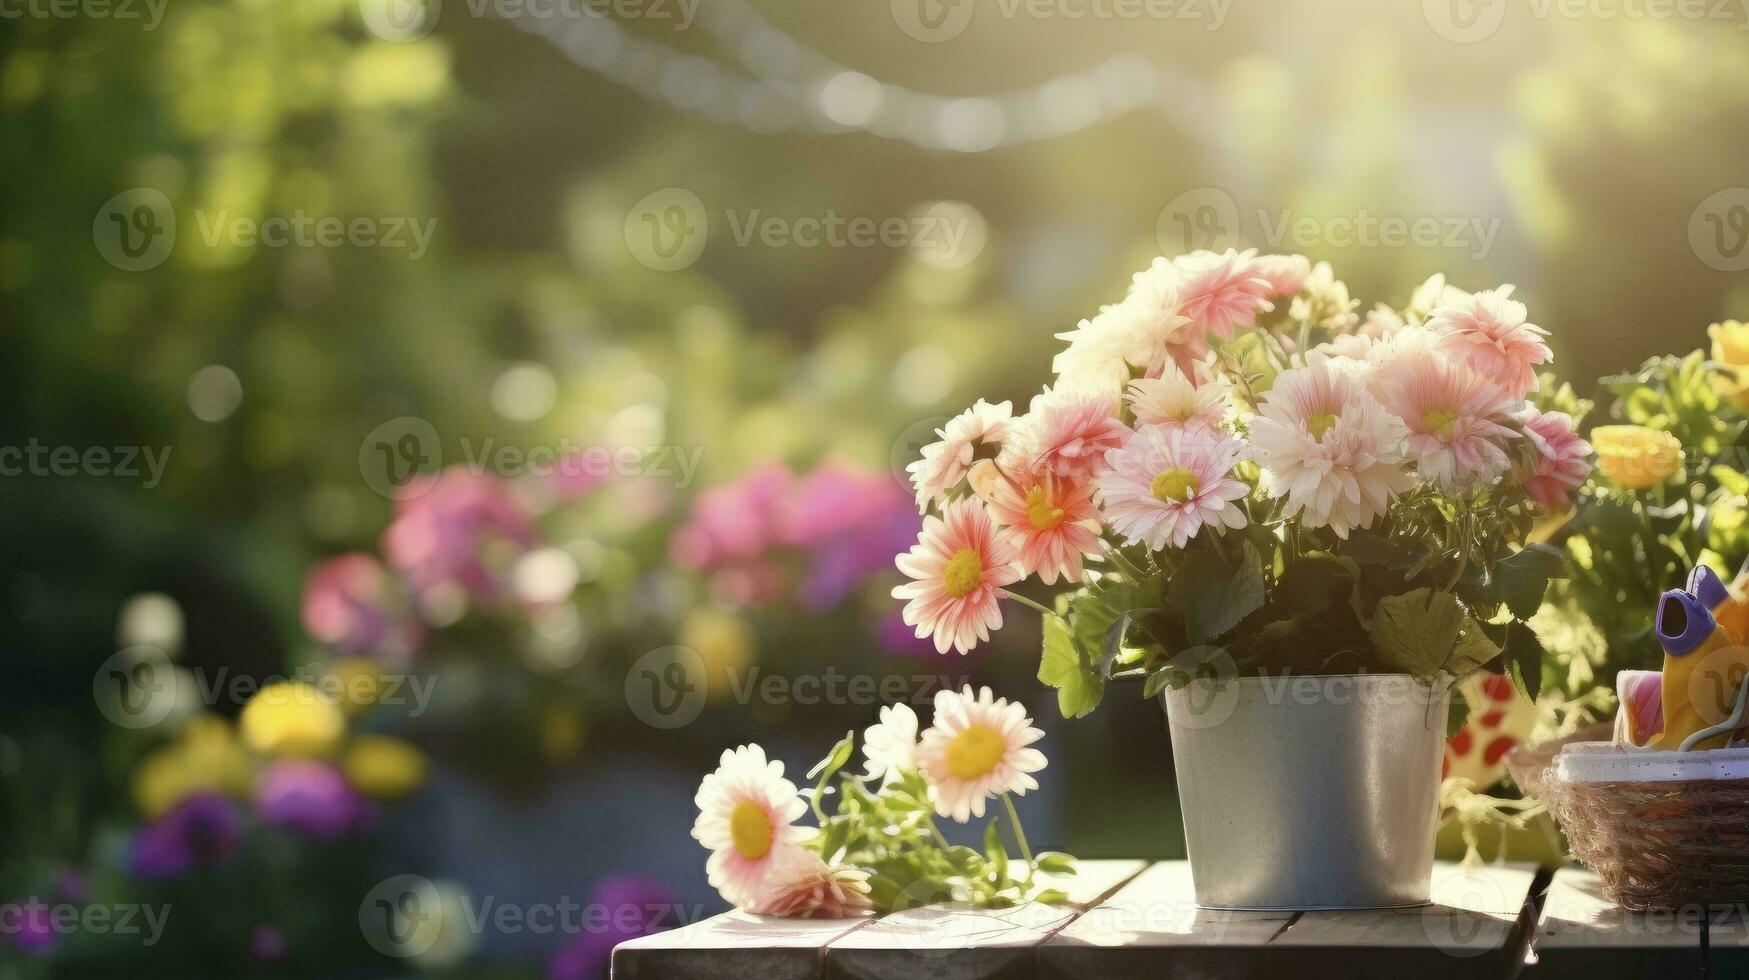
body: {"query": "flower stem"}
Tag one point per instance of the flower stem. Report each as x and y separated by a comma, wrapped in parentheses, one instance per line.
(1023, 600)
(1020, 838)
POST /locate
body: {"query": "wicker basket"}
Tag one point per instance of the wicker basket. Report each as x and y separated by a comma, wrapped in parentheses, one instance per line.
(1659, 829)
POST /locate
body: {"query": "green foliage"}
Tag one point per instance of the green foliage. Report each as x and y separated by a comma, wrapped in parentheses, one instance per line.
(1066, 666)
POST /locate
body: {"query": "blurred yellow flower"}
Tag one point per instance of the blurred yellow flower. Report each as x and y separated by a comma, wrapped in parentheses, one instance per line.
(1731, 348)
(561, 733)
(723, 640)
(384, 768)
(206, 758)
(292, 718)
(359, 682)
(1635, 457)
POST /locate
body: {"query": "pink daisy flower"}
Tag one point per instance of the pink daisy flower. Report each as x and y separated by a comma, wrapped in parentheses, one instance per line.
(1174, 399)
(1327, 446)
(1048, 517)
(1065, 431)
(945, 463)
(747, 814)
(1222, 291)
(1562, 461)
(1487, 330)
(1166, 483)
(1452, 414)
(977, 748)
(801, 886)
(1286, 274)
(960, 563)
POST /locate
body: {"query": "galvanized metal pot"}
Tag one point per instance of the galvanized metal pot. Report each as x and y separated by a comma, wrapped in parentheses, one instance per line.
(1309, 792)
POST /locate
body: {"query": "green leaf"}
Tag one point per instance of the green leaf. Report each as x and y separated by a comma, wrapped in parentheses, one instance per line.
(1063, 664)
(1052, 862)
(1317, 581)
(1474, 648)
(1052, 896)
(1158, 681)
(1524, 660)
(835, 760)
(1521, 580)
(1458, 715)
(1213, 596)
(1416, 632)
(996, 855)
(1372, 549)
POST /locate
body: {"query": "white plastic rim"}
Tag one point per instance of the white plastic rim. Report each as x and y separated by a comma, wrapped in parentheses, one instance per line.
(1606, 762)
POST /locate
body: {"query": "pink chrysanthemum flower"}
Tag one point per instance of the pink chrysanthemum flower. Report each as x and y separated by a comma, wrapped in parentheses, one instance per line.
(1453, 415)
(1380, 323)
(1488, 331)
(1166, 483)
(801, 886)
(1174, 399)
(1562, 461)
(1065, 431)
(1329, 447)
(977, 748)
(1286, 274)
(960, 563)
(1141, 333)
(747, 814)
(1048, 519)
(1221, 291)
(945, 463)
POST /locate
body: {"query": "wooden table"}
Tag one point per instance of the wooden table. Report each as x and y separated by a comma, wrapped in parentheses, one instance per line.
(1126, 919)
(1583, 935)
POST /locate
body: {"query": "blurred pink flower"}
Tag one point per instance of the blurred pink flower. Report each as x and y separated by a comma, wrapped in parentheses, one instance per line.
(1286, 274)
(1562, 462)
(733, 522)
(353, 604)
(465, 532)
(311, 799)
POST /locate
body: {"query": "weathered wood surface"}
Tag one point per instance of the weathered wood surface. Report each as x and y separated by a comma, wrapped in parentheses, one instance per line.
(1582, 934)
(1125, 919)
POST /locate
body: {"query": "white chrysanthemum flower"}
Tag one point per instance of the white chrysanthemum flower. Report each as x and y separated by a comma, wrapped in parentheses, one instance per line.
(945, 463)
(801, 886)
(976, 749)
(747, 813)
(1324, 301)
(1328, 447)
(892, 744)
(1177, 401)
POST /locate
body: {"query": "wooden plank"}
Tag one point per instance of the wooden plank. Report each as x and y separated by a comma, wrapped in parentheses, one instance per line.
(1477, 926)
(733, 946)
(1584, 934)
(1152, 928)
(950, 942)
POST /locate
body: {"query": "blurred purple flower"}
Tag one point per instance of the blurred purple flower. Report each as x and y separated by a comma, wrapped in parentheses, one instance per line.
(200, 832)
(309, 798)
(267, 943)
(621, 908)
(465, 531)
(350, 603)
(33, 929)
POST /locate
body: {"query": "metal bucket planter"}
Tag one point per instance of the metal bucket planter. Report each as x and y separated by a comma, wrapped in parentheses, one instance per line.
(1309, 792)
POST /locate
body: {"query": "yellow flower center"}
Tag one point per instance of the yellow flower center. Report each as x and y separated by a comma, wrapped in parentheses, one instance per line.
(1321, 423)
(751, 830)
(1177, 485)
(1040, 512)
(974, 752)
(964, 573)
(1438, 422)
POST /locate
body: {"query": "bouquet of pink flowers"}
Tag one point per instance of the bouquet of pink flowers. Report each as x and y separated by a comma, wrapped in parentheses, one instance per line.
(1237, 469)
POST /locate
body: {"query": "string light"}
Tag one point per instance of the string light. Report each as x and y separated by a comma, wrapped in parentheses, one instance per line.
(793, 86)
